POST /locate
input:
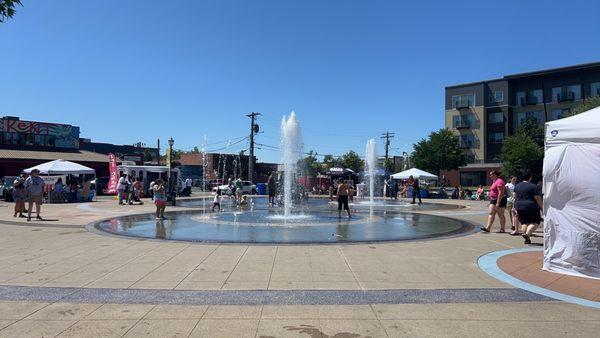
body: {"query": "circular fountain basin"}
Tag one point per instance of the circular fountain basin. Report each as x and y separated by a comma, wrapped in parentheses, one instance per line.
(315, 222)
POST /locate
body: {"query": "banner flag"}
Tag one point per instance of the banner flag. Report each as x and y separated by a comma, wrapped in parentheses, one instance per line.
(113, 182)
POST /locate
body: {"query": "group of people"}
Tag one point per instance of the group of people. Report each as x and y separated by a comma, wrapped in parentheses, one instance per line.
(130, 189)
(236, 188)
(393, 189)
(524, 201)
(28, 189)
(68, 192)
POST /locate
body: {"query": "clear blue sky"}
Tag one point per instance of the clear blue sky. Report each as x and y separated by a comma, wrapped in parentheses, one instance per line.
(127, 71)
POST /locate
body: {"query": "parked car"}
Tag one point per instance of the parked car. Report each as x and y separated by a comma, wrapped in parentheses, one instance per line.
(7, 188)
(249, 188)
(100, 184)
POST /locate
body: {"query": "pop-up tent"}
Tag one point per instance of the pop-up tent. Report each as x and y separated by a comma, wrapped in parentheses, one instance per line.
(61, 167)
(572, 195)
(414, 172)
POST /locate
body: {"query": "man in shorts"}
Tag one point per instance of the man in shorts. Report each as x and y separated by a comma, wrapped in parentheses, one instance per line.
(34, 185)
(342, 198)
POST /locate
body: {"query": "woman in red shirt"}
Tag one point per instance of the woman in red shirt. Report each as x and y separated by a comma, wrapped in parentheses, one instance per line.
(497, 202)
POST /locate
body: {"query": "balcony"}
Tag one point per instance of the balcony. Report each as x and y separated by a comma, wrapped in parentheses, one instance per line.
(462, 124)
(565, 96)
(529, 101)
(463, 104)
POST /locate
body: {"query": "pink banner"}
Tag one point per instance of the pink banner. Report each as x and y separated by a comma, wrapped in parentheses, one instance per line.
(113, 182)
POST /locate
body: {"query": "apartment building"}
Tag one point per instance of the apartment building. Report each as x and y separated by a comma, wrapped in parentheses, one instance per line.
(484, 113)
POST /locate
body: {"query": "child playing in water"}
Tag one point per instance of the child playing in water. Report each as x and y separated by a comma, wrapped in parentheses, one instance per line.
(217, 200)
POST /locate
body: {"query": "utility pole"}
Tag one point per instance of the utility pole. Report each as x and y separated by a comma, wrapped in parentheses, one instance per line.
(387, 136)
(253, 129)
(158, 151)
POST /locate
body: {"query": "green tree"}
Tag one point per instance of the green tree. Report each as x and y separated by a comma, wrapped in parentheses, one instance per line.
(195, 150)
(585, 106)
(441, 151)
(7, 9)
(520, 152)
(328, 162)
(532, 129)
(351, 160)
(309, 165)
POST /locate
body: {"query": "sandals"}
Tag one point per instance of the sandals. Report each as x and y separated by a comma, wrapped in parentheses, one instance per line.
(484, 229)
(515, 233)
(39, 217)
(527, 239)
(500, 232)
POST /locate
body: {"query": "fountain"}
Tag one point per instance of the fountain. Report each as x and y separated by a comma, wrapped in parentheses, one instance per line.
(315, 221)
(370, 167)
(291, 152)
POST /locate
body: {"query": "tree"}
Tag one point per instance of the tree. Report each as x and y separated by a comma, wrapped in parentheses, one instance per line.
(520, 152)
(441, 151)
(7, 9)
(328, 162)
(532, 129)
(309, 165)
(585, 106)
(351, 160)
(195, 150)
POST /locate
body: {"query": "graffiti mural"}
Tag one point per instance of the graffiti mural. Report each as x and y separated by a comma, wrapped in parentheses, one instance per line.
(66, 136)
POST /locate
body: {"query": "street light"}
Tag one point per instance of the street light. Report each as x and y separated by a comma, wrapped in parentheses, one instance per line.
(405, 155)
(170, 141)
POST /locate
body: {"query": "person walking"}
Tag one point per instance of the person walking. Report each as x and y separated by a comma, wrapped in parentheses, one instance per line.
(19, 195)
(510, 188)
(160, 199)
(34, 185)
(497, 204)
(342, 198)
(414, 182)
(528, 203)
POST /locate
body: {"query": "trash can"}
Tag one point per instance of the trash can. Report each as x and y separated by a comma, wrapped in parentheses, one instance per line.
(261, 188)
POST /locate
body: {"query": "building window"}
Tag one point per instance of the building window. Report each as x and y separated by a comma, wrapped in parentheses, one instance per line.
(495, 137)
(595, 89)
(523, 116)
(566, 93)
(560, 113)
(462, 121)
(498, 96)
(467, 141)
(463, 101)
(496, 117)
(530, 98)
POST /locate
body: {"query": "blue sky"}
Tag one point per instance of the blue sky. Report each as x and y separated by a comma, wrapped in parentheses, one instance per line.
(138, 70)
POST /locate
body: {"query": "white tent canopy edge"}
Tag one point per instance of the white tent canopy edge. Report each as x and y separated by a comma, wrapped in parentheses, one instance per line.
(571, 198)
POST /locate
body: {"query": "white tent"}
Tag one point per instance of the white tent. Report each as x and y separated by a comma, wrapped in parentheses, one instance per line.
(61, 167)
(414, 172)
(572, 195)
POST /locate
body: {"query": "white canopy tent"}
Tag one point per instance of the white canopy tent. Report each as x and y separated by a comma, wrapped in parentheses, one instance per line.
(414, 172)
(61, 167)
(572, 195)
